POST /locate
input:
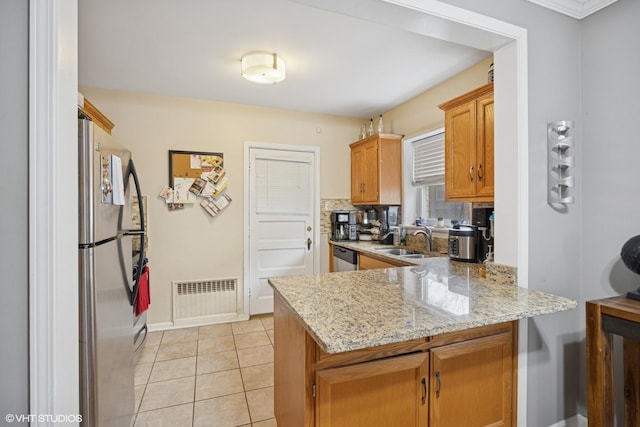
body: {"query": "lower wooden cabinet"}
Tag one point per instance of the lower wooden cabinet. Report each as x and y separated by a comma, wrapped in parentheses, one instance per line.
(386, 392)
(368, 263)
(464, 378)
(472, 383)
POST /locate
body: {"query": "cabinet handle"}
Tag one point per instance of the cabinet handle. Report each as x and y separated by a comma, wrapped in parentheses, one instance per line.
(438, 384)
(424, 390)
(471, 174)
(480, 172)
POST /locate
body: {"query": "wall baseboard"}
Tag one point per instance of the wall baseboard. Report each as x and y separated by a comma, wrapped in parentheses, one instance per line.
(165, 326)
(575, 421)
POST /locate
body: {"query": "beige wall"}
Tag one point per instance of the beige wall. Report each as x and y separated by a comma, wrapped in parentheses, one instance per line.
(188, 244)
(422, 114)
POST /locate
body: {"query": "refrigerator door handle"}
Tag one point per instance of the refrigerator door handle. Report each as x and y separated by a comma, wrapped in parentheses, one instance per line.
(131, 171)
(146, 331)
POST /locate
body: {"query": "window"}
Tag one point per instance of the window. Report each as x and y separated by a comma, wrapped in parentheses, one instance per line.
(428, 180)
(428, 160)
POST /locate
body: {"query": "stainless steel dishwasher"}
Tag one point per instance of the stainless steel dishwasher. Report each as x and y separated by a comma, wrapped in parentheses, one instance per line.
(344, 259)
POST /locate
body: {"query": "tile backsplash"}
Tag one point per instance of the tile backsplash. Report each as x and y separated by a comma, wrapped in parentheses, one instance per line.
(328, 205)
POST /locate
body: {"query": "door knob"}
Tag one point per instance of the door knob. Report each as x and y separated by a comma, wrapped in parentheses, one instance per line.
(309, 242)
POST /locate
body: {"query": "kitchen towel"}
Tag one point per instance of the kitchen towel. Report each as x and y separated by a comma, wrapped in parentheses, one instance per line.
(143, 299)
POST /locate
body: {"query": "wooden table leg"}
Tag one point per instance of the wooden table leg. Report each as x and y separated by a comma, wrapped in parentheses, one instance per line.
(631, 366)
(599, 370)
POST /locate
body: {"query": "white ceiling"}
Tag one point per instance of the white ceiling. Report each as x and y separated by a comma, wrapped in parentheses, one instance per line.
(336, 64)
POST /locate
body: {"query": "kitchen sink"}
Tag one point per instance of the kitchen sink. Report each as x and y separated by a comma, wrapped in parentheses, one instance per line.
(398, 251)
(415, 256)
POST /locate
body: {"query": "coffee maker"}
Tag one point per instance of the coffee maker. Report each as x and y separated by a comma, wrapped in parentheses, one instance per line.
(481, 214)
(343, 225)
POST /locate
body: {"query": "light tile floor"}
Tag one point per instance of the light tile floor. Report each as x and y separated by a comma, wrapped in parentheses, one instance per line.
(208, 376)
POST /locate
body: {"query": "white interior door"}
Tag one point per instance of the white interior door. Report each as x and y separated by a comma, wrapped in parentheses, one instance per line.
(282, 220)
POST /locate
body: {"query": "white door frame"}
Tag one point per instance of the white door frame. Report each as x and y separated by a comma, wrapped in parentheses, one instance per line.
(59, 29)
(53, 233)
(248, 145)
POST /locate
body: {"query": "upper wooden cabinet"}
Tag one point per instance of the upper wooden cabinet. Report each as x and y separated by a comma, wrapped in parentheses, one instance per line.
(469, 171)
(376, 170)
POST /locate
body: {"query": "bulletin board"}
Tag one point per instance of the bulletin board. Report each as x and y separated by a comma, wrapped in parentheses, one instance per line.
(196, 177)
(181, 164)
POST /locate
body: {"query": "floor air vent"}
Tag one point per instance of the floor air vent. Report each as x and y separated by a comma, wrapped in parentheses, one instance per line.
(204, 301)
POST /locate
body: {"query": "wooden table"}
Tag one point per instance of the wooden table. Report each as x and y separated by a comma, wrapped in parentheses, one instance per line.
(605, 317)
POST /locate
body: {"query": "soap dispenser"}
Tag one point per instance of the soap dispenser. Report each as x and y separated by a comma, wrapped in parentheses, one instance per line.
(491, 221)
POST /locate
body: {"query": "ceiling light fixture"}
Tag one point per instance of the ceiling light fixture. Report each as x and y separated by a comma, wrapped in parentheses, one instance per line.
(263, 67)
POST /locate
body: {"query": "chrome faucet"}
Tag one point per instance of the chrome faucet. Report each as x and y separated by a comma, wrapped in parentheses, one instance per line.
(427, 236)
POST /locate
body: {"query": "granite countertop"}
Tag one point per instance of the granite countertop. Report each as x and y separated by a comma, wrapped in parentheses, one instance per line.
(359, 309)
(494, 272)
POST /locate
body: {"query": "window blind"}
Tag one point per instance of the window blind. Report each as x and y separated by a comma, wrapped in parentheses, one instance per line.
(428, 160)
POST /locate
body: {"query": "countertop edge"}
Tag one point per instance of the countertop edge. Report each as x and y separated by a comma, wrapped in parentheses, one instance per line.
(444, 329)
(562, 304)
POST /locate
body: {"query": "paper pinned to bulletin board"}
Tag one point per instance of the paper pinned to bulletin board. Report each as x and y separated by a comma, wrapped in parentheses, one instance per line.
(194, 175)
(186, 169)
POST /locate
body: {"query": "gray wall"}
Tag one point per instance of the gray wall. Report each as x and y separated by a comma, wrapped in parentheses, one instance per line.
(14, 302)
(585, 71)
(611, 206)
(554, 236)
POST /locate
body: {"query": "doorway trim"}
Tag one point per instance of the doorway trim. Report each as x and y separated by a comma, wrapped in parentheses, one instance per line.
(60, 27)
(53, 248)
(248, 145)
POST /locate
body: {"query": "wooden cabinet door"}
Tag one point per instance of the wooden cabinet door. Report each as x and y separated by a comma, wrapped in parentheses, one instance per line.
(370, 172)
(471, 383)
(364, 172)
(357, 167)
(460, 149)
(484, 147)
(386, 392)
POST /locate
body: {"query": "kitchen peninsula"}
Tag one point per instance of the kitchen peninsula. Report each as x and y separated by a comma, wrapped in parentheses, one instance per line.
(430, 344)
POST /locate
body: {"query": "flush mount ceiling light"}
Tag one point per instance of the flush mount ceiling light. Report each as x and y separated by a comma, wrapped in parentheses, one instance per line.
(263, 67)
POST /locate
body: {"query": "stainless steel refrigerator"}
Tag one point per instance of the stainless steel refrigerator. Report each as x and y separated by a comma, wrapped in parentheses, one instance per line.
(108, 283)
